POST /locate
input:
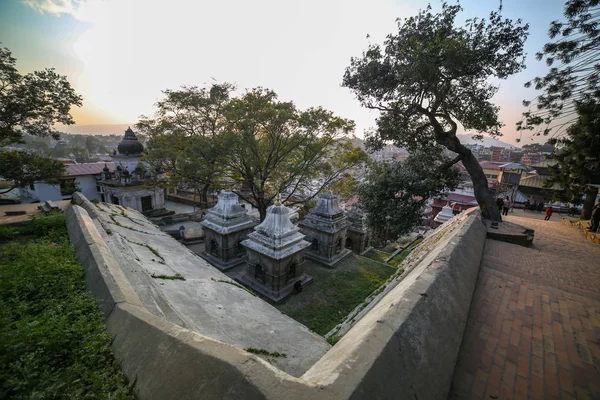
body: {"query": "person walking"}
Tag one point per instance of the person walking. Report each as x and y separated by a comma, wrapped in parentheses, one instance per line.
(595, 217)
(505, 206)
(548, 213)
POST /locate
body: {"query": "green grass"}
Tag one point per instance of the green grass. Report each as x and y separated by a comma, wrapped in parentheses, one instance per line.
(377, 255)
(398, 258)
(53, 342)
(334, 293)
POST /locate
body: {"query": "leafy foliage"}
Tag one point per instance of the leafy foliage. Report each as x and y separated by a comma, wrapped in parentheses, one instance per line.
(53, 343)
(25, 168)
(276, 148)
(395, 194)
(578, 157)
(574, 58)
(186, 136)
(432, 75)
(32, 103)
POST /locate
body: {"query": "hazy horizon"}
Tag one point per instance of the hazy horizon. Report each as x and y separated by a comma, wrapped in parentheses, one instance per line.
(120, 54)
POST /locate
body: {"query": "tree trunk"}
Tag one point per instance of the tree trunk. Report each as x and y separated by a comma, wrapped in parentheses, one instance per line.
(489, 208)
(262, 211)
(588, 204)
(204, 196)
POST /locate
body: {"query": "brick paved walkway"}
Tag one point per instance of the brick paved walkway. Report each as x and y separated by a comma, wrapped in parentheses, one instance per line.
(534, 324)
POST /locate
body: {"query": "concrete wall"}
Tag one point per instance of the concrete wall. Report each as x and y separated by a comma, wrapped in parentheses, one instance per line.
(405, 347)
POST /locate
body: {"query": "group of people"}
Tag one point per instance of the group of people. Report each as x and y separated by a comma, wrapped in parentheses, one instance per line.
(504, 204)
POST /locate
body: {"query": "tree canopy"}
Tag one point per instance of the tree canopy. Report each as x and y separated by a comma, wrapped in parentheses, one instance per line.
(573, 56)
(186, 136)
(31, 104)
(433, 75)
(277, 148)
(394, 194)
(205, 138)
(578, 157)
(24, 168)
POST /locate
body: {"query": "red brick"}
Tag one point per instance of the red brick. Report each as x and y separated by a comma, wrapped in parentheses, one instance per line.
(537, 366)
(564, 379)
(523, 366)
(537, 387)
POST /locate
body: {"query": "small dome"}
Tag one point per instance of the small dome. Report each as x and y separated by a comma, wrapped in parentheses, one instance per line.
(130, 145)
(105, 169)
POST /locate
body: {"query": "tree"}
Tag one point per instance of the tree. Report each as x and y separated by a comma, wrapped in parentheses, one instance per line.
(536, 147)
(276, 148)
(578, 158)
(394, 194)
(25, 168)
(574, 56)
(432, 75)
(185, 136)
(31, 104)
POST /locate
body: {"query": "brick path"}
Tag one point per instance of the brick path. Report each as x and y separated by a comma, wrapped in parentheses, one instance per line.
(534, 324)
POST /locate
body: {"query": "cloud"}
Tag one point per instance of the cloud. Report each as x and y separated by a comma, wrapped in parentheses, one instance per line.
(82, 10)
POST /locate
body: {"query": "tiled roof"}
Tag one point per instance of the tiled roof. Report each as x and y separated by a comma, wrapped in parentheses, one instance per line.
(88, 168)
(537, 181)
(491, 164)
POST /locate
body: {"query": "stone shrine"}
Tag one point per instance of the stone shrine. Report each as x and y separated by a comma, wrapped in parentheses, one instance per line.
(275, 249)
(325, 228)
(225, 226)
(443, 215)
(126, 187)
(358, 236)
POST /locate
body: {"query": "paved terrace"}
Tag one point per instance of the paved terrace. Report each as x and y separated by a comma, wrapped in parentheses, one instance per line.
(534, 323)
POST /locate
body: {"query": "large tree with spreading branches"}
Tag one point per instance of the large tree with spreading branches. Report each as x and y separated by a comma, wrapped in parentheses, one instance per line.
(277, 148)
(573, 56)
(432, 75)
(186, 137)
(32, 104)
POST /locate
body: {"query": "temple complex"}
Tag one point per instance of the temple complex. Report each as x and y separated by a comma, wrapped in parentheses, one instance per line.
(125, 186)
(225, 226)
(325, 228)
(274, 267)
(357, 235)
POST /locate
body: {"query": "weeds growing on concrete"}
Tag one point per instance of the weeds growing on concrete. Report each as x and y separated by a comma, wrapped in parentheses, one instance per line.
(169, 277)
(264, 352)
(238, 285)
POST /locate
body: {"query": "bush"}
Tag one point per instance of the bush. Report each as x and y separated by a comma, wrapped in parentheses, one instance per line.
(53, 343)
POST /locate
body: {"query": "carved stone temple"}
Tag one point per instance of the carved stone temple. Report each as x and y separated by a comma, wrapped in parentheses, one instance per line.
(127, 186)
(358, 236)
(325, 228)
(225, 226)
(275, 249)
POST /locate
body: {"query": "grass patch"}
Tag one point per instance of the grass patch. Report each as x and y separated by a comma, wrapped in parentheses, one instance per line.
(169, 277)
(264, 352)
(397, 260)
(53, 342)
(377, 255)
(334, 293)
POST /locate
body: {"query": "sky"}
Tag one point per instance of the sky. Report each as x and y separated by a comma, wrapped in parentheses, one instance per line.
(120, 54)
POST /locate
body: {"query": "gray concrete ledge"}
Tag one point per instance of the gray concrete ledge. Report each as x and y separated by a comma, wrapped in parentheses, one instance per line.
(405, 345)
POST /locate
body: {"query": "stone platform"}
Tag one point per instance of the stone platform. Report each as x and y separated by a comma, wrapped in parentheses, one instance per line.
(510, 232)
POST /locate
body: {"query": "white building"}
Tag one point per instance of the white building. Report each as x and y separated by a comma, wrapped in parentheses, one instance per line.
(83, 177)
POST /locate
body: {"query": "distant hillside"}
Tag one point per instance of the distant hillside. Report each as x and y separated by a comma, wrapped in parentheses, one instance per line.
(487, 141)
(114, 129)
